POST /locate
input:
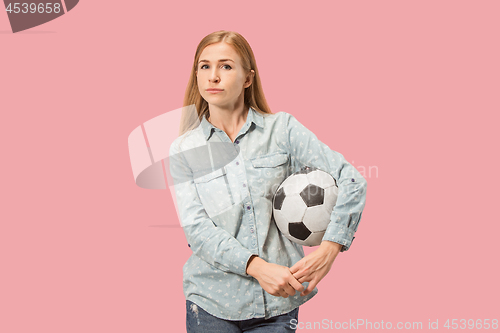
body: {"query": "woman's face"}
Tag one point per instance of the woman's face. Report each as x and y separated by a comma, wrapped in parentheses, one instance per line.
(220, 68)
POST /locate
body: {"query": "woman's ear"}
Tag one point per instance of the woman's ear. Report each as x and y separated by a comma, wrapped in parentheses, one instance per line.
(250, 77)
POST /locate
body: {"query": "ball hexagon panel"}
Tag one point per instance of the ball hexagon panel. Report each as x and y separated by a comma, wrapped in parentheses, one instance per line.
(317, 218)
(295, 183)
(293, 208)
(312, 195)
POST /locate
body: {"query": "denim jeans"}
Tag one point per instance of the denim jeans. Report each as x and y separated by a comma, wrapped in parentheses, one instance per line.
(200, 321)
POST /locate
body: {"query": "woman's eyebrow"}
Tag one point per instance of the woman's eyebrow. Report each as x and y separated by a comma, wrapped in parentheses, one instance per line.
(220, 60)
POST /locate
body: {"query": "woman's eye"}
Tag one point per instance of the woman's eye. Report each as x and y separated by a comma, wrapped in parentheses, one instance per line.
(224, 66)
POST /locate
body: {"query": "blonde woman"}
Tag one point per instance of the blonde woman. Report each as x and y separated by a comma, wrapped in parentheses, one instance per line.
(230, 157)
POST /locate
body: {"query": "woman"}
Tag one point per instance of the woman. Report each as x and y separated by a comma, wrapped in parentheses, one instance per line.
(244, 275)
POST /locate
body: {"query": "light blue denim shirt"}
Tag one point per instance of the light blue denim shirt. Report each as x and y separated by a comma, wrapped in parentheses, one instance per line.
(224, 192)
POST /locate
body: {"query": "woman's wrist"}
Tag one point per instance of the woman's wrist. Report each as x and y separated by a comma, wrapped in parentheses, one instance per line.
(330, 247)
(253, 263)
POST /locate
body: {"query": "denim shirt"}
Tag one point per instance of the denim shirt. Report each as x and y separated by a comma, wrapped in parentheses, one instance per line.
(224, 192)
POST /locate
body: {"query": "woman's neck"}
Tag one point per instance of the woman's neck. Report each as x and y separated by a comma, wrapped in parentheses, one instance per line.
(231, 123)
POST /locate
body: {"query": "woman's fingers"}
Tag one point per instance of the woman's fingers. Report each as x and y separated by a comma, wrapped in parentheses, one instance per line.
(303, 279)
(278, 281)
(300, 276)
(283, 293)
(296, 284)
(289, 289)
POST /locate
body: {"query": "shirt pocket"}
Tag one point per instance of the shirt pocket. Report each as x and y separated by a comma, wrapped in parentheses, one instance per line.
(214, 192)
(270, 171)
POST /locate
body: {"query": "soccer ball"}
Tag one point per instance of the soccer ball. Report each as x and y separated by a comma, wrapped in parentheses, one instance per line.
(303, 204)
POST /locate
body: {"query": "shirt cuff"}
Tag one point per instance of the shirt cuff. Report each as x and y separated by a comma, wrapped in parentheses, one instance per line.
(340, 234)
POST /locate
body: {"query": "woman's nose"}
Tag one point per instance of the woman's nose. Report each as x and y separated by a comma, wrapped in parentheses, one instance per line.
(214, 77)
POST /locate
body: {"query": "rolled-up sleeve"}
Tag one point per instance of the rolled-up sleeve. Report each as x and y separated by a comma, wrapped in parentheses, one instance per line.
(305, 149)
(212, 244)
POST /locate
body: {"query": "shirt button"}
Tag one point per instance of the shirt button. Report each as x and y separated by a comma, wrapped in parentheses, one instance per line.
(237, 163)
(352, 179)
(189, 245)
(251, 230)
(248, 207)
(244, 185)
(236, 142)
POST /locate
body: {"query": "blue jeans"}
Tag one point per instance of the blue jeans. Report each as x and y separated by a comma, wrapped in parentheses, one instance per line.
(200, 321)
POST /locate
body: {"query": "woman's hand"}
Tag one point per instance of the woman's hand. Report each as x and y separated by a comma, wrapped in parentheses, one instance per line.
(313, 267)
(277, 280)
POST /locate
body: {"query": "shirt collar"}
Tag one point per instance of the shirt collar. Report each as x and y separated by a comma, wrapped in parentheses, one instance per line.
(252, 116)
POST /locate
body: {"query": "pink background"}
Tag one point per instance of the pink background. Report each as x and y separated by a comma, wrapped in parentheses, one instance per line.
(410, 88)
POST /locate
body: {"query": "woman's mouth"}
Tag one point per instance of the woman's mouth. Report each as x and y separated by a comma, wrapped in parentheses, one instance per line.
(214, 90)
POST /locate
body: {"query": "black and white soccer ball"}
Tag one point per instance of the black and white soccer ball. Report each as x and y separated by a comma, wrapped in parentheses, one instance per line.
(303, 204)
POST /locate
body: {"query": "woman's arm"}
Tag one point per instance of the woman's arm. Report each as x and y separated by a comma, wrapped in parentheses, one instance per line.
(214, 245)
(305, 149)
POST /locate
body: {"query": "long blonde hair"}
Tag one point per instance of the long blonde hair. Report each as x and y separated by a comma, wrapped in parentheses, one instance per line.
(254, 95)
